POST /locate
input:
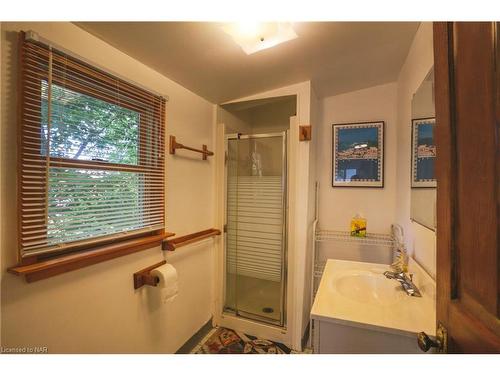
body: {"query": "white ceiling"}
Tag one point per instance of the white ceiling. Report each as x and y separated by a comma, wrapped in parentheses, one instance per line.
(336, 56)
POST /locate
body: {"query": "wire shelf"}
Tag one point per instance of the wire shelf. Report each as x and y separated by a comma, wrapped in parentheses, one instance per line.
(319, 267)
(374, 239)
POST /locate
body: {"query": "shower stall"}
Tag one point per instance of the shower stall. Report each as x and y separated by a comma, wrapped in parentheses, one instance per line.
(255, 261)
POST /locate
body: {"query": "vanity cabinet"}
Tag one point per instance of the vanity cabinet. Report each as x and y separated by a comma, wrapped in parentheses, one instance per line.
(335, 338)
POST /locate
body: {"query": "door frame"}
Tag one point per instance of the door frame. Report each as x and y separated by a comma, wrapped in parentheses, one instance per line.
(284, 263)
(286, 335)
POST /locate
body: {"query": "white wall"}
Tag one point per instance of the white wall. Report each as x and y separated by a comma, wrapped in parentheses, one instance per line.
(234, 122)
(338, 205)
(420, 240)
(95, 309)
(264, 116)
(273, 117)
(382, 207)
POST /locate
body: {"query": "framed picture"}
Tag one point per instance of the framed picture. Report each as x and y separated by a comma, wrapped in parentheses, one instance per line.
(423, 155)
(358, 154)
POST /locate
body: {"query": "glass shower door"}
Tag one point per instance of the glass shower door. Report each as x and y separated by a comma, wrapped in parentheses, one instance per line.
(256, 227)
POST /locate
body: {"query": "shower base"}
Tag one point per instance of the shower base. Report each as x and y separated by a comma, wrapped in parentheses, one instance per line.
(257, 297)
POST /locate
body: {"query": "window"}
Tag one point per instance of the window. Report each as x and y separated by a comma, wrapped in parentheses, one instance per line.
(91, 164)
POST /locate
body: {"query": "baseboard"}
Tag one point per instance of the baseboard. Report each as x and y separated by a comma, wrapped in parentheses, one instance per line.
(190, 344)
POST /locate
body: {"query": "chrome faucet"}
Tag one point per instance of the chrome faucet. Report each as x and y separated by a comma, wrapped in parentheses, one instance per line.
(406, 282)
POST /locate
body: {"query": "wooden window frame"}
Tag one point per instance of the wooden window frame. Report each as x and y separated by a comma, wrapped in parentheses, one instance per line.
(39, 266)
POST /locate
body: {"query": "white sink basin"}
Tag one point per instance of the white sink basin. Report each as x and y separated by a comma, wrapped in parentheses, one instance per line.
(368, 288)
(358, 294)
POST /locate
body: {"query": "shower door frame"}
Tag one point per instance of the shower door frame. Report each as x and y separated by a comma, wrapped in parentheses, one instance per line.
(284, 250)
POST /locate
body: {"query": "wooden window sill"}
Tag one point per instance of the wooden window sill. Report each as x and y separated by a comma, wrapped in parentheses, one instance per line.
(65, 263)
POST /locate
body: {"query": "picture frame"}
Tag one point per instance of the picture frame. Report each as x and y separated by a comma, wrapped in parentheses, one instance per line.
(423, 153)
(358, 154)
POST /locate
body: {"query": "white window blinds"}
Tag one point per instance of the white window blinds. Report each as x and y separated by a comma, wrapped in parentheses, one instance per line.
(91, 156)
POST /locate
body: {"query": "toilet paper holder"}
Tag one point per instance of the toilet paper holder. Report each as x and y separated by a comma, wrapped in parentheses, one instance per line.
(144, 277)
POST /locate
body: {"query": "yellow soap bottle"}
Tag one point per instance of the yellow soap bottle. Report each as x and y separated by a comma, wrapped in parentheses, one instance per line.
(358, 226)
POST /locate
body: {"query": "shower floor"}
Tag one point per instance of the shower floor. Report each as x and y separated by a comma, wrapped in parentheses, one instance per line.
(254, 296)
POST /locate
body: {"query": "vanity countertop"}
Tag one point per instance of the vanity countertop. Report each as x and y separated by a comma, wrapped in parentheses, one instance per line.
(358, 294)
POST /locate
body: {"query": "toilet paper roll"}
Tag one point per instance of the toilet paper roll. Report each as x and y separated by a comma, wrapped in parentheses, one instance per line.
(168, 285)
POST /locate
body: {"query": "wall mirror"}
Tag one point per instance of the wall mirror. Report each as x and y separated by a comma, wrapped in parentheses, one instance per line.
(423, 154)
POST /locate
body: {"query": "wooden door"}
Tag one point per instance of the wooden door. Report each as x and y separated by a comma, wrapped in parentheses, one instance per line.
(467, 87)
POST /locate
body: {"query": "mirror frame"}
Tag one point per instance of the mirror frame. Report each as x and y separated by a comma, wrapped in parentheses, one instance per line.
(414, 189)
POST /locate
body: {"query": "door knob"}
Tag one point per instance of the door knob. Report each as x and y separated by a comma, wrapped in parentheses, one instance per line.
(441, 342)
(425, 342)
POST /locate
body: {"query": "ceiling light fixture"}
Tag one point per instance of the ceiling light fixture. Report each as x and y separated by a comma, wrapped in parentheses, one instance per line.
(256, 36)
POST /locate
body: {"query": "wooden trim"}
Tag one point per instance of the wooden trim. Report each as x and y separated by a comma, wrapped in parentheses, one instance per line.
(305, 133)
(175, 243)
(65, 263)
(496, 84)
(83, 245)
(445, 141)
(20, 129)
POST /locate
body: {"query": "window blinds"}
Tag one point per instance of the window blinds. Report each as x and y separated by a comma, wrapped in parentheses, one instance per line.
(91, 154)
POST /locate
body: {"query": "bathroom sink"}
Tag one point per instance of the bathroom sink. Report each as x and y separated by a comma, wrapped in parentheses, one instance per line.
(357, 294)
(368, 312)
(368, 287)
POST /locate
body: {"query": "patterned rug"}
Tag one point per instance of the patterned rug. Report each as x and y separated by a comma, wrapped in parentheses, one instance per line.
(227, 341)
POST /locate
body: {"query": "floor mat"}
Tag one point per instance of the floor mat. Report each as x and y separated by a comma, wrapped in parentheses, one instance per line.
(226, 341)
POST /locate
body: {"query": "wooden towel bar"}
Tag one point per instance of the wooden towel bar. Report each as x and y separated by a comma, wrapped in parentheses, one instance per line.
(175, 243)
(173, 145)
